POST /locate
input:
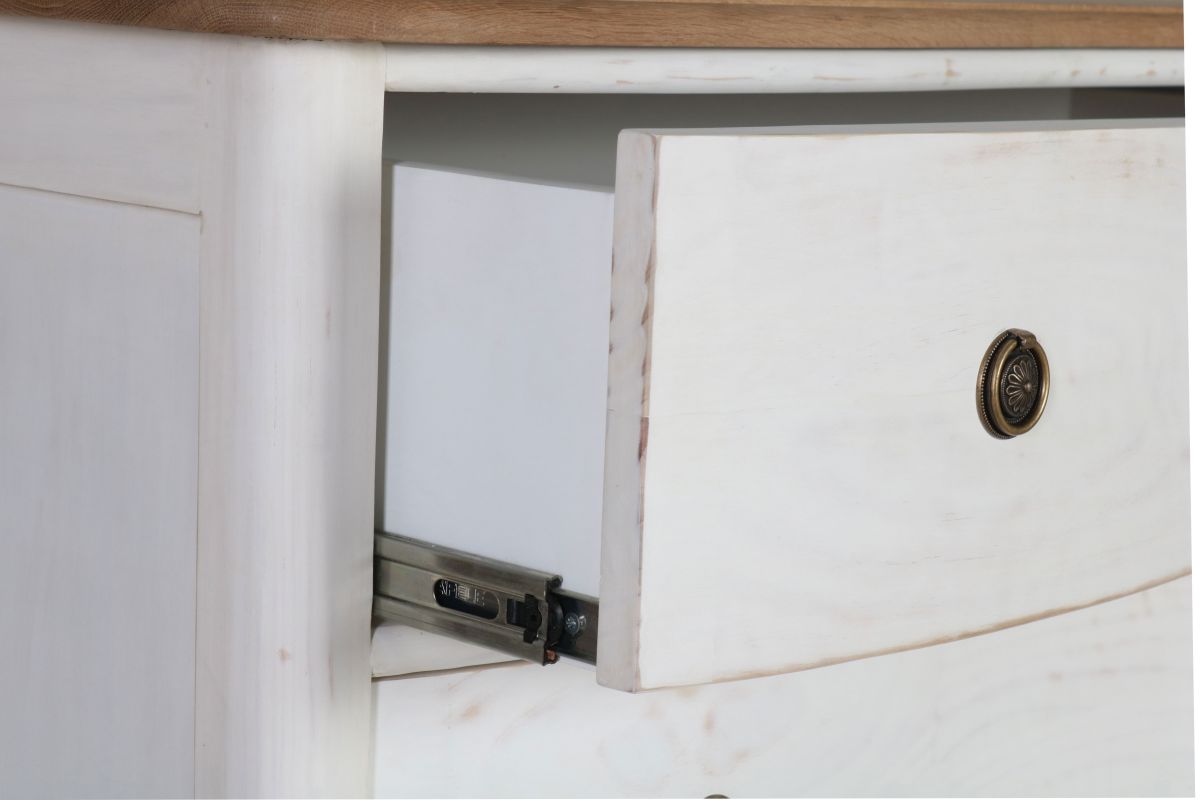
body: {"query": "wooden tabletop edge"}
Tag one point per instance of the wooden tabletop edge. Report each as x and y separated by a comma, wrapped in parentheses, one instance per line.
(865, 24)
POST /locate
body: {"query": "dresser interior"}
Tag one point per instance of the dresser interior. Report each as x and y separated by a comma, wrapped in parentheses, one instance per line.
(571, 139)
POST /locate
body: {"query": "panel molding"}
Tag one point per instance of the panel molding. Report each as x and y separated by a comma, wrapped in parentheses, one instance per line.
(140, 94)
(99, 330)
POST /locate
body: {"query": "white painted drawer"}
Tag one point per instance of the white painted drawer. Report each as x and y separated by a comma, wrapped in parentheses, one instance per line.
(1093, 703)
(794, 473)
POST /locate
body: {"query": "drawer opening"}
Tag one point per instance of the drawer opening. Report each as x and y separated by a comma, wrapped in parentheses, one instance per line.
(497, 259)
(571, 139)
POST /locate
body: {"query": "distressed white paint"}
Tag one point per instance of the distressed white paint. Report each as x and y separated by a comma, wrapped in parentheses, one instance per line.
(401, 650)
(498, 341)
(656, 70)
(276, 145)
(99, 326)
(1092, 703)
(103, 111)
(1192, 33)
(289, 304)
(796, 473)
(192, 564)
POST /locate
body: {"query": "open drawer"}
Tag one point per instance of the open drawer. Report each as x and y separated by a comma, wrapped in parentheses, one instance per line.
(760, 437)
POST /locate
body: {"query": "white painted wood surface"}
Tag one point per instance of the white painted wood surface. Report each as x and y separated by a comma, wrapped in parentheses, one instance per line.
(99, 326)
(651, 70)
(244, 638)
(290, 313)
(496, 369)
(401, 650)
(103, 111)
(1092, 703)
(271, 148)
(795, 472)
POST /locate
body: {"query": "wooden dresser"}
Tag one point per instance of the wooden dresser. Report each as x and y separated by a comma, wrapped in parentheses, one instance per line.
(832, 353)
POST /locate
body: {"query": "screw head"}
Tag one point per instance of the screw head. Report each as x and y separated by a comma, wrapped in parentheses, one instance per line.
(574, 624)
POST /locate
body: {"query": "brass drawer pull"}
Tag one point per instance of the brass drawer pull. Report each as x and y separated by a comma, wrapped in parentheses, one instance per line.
(1014, 382)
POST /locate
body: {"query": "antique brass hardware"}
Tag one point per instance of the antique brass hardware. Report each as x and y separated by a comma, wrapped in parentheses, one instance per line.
(1013, 384)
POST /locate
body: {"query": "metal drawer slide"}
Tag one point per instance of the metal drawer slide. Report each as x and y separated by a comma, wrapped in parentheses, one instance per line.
(519, 611)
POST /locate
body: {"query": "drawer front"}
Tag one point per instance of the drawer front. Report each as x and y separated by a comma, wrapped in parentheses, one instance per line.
(1094, 703)
(796, 471)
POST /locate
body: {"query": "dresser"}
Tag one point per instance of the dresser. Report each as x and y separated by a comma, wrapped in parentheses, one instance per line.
(614, 398)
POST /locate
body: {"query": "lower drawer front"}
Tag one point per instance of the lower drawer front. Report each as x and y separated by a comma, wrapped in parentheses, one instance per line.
(1092, 703)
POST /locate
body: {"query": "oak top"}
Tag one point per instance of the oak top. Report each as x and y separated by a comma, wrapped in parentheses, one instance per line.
(656, 23)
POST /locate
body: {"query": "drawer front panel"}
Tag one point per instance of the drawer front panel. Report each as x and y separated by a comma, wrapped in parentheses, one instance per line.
(796, 473)
(1092, 703)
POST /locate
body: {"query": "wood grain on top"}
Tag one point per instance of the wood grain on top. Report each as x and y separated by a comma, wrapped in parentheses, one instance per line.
(655, 23)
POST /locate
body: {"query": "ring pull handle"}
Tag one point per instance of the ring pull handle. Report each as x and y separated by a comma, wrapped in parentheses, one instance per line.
(1013, 385)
